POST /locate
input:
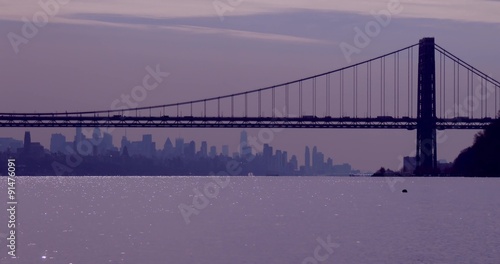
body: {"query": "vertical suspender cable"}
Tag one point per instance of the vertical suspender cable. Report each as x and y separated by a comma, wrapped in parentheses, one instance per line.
(394, 95)
(327, 95)
(286, 100)
(274, 103)
(354, 93)
(314, 97)
(300, 98)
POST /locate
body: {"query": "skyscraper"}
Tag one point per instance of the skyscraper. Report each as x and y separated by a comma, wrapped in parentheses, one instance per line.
(245, 149)
(307, 158)
(27, 141)
(78, 135)
(243, 141)
(107, 143)
(147, 146)
(294, 164)
(213, 151)
(179, 146)
(314, 158)
(125, 144)
(57, 143)
(96, 135)
(190, 150)
(225, 150)
(204, 149)
(168, 148)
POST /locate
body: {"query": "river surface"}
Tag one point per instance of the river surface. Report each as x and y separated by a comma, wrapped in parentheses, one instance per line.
(137, 220)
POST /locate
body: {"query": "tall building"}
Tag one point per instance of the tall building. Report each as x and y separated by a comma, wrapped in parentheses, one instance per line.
(204, 149)
(79, 137)
(245, 149)
(225, 150)
(179, 146)
(27, 141)
(307, 158)
(213, 151)
(284, 159)
(314, 159)
(148, 147)
(278, 160)
(125, 144)
(168, 148)
(96, 134)
(190, 149)
(294, 164)
(31, 148)
(106, 144)
(267, 152)
(57, 143)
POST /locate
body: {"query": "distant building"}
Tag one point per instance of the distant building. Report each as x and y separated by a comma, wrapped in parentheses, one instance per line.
(146, 147)
(213, 151)
(31, 149)
(79, 137)
(294, 164)
(267, 152)
(307, 159)
(190, 149)
(125, 144)
(58, 143)
(225, 150)
(409, 164)
(179, 146)
(329, 165)
(168, 148)
(204, 149)
(245, 149)
(342, 170)
(10, 144)
(107, 144)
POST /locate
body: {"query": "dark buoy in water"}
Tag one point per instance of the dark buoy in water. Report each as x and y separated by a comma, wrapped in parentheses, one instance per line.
(404, 191)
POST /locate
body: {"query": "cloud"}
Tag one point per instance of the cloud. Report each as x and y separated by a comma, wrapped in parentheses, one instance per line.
(260, 29)
(465, 10)
(245, 34)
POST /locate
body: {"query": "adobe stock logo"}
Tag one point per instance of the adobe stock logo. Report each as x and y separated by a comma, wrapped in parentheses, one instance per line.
(327, 247)
(372, 29)
(40, 19)
(222, 7)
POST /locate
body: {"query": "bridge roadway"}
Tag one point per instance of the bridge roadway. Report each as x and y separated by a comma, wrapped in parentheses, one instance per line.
(380, 122)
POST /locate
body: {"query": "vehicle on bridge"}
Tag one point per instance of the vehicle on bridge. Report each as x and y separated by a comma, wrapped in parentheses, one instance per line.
(385, 118)
(406, 118)
(460, 119)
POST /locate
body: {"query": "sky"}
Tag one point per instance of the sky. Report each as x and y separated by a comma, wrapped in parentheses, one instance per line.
(89, 53)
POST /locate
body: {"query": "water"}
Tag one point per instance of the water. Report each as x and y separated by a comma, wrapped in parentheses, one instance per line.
(94, 220)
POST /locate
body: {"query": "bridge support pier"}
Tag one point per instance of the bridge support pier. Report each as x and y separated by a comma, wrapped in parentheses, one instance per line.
(426, 113)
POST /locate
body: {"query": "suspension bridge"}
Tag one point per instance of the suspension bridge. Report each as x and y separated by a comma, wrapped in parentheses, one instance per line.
(421, 87)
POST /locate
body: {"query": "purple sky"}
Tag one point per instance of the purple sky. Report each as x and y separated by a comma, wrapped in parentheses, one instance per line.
(92, 52)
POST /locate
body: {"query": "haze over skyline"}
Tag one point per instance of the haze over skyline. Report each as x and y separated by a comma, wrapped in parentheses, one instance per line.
(92, 52)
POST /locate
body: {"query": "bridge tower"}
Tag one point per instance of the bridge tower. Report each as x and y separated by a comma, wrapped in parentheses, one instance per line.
(426, 113)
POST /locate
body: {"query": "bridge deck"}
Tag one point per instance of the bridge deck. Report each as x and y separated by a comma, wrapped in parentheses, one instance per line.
(235, 122)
